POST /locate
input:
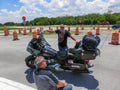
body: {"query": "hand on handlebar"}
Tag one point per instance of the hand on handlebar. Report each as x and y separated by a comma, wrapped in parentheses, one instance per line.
(76, 41)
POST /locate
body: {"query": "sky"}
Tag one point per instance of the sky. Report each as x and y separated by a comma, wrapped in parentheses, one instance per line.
(14, 10)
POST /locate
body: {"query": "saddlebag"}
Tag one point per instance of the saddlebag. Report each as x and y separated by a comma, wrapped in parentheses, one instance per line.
(81, 54)
(88, 55)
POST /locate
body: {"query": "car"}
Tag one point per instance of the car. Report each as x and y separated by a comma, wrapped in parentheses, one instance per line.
(105, 23)
(115, 26)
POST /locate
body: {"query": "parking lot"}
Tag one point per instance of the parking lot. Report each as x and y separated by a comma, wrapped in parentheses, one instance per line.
(106, 70)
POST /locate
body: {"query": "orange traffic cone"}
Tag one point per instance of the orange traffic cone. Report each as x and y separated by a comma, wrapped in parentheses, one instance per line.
(69, 28)
(98, 30)
(19, 30)
(119, 30)
(89, 33)
(30, 29)
(6, 32)
(108, 27)
(93, 27)
(24, 32)
(49, 28)
(34, 34)
(57, 28)
(115, 38)
(77, 31)
(82, 28)
(15, 36)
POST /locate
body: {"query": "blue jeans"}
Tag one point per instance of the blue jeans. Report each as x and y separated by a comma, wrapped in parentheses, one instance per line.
(62, 49)
(68, 87)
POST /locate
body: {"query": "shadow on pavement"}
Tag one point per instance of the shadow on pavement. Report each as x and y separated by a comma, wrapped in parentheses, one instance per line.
(79, 79)
(29, 75)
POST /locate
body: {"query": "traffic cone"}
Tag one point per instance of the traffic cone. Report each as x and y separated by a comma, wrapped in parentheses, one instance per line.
(15, 35)
(115, 38)
(34, 34)
(82, 28)
(49, 28)
(93, 27)
(30, 29)
(89, 33)
(98, 30)
(57, 28)
(69, 28)
(6, 32)
(77, 31)
(119, 30)
(19, 30)
(24, 32)
(108, 27)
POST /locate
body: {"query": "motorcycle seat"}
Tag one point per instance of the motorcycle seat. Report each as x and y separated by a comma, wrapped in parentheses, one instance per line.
(62, 55)
(75, 51)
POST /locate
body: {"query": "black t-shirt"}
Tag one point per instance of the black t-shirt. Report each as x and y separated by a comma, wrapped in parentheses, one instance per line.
(62, 37)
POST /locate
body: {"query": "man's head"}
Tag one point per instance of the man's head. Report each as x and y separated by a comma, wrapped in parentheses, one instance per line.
(62, 26)
(40, 62)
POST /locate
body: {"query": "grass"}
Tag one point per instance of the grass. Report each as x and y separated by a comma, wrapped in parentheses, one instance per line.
(3, 28)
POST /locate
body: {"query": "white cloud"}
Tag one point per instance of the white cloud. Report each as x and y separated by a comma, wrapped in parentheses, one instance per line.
(37, 8)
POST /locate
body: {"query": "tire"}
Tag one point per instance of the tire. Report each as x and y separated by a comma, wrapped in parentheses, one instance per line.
(30, 61)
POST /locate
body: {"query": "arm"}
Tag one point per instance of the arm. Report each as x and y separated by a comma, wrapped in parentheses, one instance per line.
(59, 83)
(73, 38)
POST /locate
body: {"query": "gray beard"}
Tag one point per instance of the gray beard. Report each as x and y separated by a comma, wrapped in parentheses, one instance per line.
(62, 31)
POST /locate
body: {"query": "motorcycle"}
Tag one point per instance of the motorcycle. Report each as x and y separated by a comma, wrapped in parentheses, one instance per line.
(74, 59)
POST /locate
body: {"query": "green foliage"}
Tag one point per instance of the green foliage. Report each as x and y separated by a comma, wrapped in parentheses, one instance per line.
(9, 24)
(90, 19)
(1, 24)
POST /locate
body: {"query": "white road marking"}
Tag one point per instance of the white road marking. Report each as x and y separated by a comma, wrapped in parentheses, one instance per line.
(6, 84)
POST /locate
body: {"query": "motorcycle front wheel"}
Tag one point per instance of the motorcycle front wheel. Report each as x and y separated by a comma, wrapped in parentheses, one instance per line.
(30, 61)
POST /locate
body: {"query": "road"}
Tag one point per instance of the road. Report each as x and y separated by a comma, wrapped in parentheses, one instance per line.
(105, 76)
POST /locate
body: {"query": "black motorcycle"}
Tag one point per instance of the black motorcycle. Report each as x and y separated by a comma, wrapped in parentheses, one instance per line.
(74, 59)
